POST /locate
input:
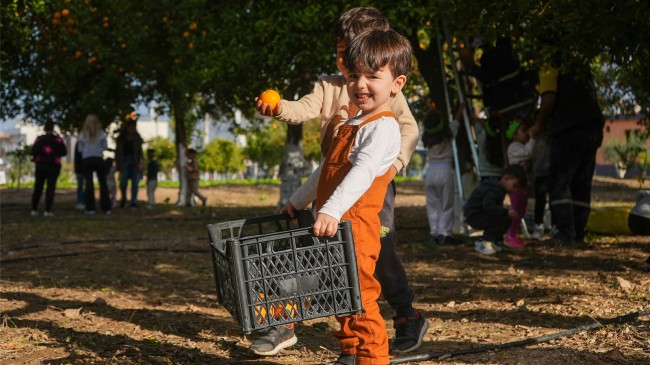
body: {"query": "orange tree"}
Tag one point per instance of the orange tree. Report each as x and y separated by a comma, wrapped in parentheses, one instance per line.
(66, 59)
(612, 35)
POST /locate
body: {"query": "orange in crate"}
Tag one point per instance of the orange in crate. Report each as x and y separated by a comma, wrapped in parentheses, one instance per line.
(277, 310)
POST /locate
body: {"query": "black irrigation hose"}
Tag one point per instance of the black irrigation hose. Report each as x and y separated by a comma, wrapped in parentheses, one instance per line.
(626, 318)
(69, 254)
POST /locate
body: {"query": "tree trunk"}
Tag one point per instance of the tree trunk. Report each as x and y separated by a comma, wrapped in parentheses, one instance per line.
(432, 73)
(294, 165)
(181, 145)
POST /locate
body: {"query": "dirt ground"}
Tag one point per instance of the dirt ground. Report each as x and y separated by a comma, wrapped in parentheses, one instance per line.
(137, 287)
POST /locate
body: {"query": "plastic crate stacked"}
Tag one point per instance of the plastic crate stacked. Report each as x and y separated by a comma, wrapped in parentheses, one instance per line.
(272, 270)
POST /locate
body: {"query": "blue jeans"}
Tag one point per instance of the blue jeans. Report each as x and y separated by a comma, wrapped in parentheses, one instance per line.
(129, 171)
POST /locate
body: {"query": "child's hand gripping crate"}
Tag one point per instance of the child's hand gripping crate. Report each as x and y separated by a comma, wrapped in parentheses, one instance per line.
(269, 274)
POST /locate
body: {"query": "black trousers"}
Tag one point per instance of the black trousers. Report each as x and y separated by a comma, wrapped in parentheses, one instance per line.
(571, 170)
(493, 226)
(43, 173)
(96, 165)
(389, 270)
(541, 197)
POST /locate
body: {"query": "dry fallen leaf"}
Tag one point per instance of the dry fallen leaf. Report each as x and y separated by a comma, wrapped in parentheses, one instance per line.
(12, 346)
(72, 313)
(624, 284)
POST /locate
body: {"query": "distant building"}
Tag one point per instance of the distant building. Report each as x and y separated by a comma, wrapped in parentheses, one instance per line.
(617, 128)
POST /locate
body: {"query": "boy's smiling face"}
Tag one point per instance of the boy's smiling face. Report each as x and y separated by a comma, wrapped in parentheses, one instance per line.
(372, 92)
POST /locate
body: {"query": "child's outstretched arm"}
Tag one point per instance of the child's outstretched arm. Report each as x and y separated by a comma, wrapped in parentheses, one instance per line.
(296, 112)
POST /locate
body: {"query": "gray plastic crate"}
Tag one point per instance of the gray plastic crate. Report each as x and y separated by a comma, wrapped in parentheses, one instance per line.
(272, 270)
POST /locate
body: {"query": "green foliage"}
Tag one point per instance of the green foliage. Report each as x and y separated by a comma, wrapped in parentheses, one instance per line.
(193, 56)
(642, 163)
(165, 154)
(311, 140)
(628, 153)
(19, 162)
(265, 144)
(222, 155)
(60, 60)
(415, 165)
(204, 183)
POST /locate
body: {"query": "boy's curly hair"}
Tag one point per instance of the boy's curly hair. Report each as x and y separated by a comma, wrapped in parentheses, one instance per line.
(357, 20)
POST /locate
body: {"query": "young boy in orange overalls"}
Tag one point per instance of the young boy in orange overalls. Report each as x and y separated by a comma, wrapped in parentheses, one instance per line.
(329, 101)
(352, 181)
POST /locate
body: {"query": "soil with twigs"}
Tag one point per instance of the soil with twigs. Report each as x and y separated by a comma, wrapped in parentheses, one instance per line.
(137, 287)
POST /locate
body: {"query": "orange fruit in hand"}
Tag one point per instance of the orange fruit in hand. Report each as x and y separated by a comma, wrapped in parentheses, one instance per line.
(270, 97)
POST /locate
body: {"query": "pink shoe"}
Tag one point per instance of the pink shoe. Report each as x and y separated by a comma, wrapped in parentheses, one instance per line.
(514, 242)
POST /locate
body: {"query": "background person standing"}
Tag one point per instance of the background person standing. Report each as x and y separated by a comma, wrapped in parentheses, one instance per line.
(46, 154)
(129, 159)
(193, 177)
(570, 114)
(92, 143)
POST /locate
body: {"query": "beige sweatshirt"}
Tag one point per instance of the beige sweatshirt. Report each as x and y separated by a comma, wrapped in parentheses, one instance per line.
(331, 102)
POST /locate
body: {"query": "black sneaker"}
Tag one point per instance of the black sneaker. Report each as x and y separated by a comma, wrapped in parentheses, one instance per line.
(273, 340)
(345, 360)
(450, 240)
(409, 332)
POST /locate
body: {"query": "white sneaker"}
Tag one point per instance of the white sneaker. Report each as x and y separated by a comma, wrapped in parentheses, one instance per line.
(484, 247)
(80, 206)
(538, 234)
(34, 213)
(48, 214)
(90, 212)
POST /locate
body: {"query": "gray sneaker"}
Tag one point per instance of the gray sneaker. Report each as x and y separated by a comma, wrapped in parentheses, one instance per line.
(273, 340)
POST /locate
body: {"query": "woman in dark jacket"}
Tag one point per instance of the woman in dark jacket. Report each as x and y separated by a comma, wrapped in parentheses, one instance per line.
(46, 154)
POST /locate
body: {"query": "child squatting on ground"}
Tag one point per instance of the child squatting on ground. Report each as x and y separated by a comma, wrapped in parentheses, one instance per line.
(484, 208)
(352, 181)
(330, 101)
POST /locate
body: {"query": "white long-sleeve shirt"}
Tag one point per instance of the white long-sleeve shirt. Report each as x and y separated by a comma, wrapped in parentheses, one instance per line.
(518, 152)
(375, 148)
